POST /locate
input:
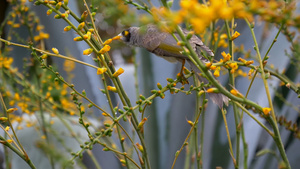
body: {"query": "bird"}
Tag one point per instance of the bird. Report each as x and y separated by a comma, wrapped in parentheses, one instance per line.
(164, 45)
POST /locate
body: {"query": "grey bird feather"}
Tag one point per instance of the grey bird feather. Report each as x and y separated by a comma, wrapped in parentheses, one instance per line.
(164, 45)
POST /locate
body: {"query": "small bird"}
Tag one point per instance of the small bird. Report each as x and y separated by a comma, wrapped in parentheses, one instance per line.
(164, 45)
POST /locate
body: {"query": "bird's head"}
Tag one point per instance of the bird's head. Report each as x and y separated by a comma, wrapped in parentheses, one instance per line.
(129, 36)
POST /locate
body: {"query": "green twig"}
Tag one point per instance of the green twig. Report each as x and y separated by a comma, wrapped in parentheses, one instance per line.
(232, 83)
(277, 137)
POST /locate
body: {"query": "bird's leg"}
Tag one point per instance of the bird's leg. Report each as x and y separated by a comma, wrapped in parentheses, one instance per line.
(180, 75)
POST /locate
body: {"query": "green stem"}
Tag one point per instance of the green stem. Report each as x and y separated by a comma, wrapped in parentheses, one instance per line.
(185, 141)
(228, 136)
(262, 72)
(245, 144)
(277, 137)
(235, 109)
(114, 115)
(198, 111)
(19, 153)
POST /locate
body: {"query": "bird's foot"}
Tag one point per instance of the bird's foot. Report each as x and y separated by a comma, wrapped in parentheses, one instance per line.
(181, 78)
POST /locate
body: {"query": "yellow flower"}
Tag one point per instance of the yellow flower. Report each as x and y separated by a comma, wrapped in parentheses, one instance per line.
(7, 128)
(113, 89)
(87, 35)
(16, 25)
(186, 71)
(212, 90)
(106, 48)
(198, 24)
(101, 71)
(44, 35)
(11, 110)
(213, 67)
(9, 141)
(108, 41)
(67, 28)
(235, 35)
(190, 122)
(64, 15)
(9, 22)
(66, 2)
(226, 57)
(140, 147)
(69, 65)
(44, 56)
(233, 67)
(105, 114)
(6, 62)
(217, 72)
(250, 72)
(141, 124)
(17, 96)
(81, 25)
(223, 36)
(78, 38)
(208, 65)
(241, 73)
(39, 27)
(49, 12)
(266, 110)
(41, 36)
(226, 12)
(236, 93)
(87, 51)
(118, 72)
(242, 60)
(23, 106)
(3, 119)
(55, 50)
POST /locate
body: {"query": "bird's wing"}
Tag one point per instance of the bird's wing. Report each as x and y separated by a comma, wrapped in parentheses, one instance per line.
(162, 44)
(169, 50)
(196, 42)
(152, 38)
(199, 44)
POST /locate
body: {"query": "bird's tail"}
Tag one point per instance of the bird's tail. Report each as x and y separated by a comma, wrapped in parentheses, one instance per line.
(217, 98)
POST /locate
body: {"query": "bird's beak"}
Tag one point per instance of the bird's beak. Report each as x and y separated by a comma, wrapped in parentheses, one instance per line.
(118, 37)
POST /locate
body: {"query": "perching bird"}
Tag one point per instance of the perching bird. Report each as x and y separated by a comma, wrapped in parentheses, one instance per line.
(164, 45)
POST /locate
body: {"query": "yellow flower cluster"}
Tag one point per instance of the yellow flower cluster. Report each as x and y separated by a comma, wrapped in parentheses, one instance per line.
(226, 57)
(41, 36)
(247, 63)
(222, 41)
(233, 67)
(200, 15)
(6, 62)
(69, 66)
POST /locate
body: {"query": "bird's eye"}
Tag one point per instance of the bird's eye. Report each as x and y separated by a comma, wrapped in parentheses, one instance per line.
(126, 35)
